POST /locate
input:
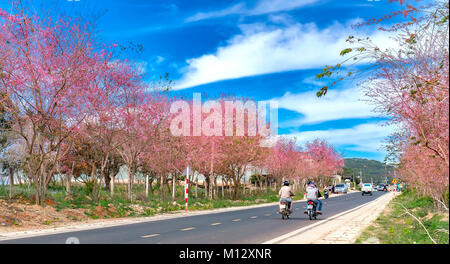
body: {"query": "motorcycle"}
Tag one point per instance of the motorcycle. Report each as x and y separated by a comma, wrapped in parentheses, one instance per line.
(284, 210)
(311, 209)
(325, 194)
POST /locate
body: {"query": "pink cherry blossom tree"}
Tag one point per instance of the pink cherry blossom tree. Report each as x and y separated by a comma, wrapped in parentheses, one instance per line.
(47, 68)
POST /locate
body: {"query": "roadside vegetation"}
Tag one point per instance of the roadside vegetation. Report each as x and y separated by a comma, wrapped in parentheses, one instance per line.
(81, 206)
(409, 219)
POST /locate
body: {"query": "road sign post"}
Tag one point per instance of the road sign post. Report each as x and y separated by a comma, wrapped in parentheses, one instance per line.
(187, 192)
(187, 172)
(394, 182)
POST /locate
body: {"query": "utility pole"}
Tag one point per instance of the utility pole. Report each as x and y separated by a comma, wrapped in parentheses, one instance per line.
(360, 175)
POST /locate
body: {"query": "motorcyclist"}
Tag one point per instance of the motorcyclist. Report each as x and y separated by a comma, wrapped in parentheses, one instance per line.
(313, 193)
(285, 194)
(326, 192)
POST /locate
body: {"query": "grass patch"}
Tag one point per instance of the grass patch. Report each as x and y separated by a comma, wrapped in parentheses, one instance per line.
(395, 226)
(105, 206)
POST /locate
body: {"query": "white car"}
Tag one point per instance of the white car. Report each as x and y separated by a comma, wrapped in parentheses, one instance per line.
(367, 188)
(340, 188)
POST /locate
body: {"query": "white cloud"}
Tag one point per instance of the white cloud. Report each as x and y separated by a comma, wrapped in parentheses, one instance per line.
(262, 7)
(365, 137)
(337, 104)
(235, 9)
(262, 49)
(270, 6)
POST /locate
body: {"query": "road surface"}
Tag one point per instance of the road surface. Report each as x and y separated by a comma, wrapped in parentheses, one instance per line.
(247, 226)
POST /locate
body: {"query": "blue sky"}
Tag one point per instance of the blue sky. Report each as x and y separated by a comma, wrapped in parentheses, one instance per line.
(259, 49)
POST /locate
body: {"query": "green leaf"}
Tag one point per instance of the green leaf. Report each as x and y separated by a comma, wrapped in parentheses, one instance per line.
(345, 51)
(322, 91)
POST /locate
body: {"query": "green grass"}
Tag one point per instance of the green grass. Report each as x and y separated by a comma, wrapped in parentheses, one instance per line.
(395, 226)
(120, 206)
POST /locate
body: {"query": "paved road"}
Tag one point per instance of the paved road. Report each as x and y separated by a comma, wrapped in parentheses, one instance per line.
(252, 226)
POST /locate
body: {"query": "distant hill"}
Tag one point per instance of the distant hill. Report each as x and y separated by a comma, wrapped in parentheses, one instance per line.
(372, 170)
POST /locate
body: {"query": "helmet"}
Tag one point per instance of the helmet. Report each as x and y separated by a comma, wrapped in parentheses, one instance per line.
(286, 183)
(311, 183)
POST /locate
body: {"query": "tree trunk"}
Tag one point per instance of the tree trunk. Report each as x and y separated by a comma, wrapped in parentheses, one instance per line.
(223, 193)
(236, 187)
(236, 191)
(68, 182)
(161, 188)
(174, 182)
(131, 172)
(36, 189)
(146, 186)
(11, 182)
(150, 185)
(217, 189)
(107, 181)
(95, 187)
(210, 190)
(206, 184)
(111, 188)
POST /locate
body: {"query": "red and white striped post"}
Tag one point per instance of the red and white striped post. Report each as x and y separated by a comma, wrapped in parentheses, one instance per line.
(186, 195)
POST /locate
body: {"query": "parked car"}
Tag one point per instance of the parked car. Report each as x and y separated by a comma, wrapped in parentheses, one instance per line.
(341, 188)
(367, 189)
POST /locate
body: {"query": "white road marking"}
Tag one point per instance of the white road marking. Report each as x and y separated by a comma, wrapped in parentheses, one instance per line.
(213, 224)
(153, 235)
(236, 220)
(186, 229)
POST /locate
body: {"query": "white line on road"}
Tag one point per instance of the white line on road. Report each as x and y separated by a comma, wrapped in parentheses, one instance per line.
(153, 235)
(236, 220)
(214, 224)
(254, 217)
(186, 229)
